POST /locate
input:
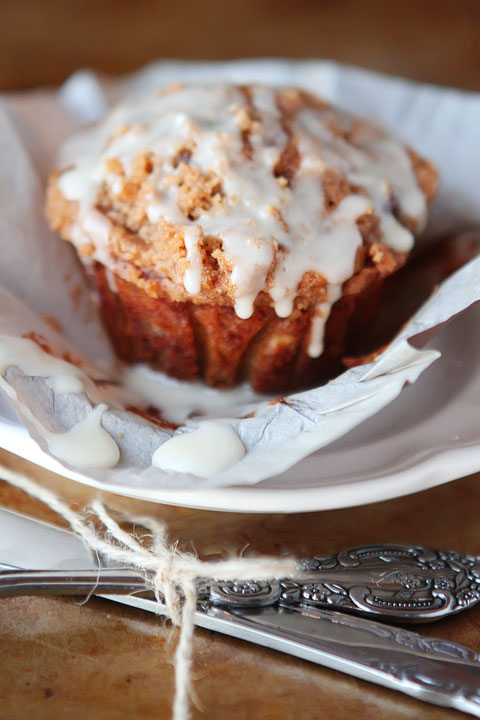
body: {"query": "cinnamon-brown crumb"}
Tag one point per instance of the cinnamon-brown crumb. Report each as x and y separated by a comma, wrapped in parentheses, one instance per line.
(335, 188)
(76, 294)
(152, 415)
(86, 249)
(350, 362)
(197, 191)
(113, 165)
(183, 155)
(53, 322)
(40, 340)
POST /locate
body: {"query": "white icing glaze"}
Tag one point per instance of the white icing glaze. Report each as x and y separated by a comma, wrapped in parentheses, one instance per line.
(178, 400)
(317, 330)
(206, 451)
(319, 321)
(86, 444)
(29, 357)
(261, 220)
(244, 306)
(111, 282)
(193, 275)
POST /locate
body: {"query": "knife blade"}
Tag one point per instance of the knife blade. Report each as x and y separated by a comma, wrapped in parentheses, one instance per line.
(430, 669)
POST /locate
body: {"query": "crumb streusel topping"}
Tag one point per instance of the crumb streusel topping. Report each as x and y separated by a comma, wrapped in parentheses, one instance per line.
(237, 191)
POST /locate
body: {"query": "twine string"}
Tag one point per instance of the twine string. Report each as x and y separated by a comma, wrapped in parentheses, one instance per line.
(171, 574)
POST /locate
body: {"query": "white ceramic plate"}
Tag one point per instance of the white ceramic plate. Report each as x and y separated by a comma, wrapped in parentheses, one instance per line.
(428, 436)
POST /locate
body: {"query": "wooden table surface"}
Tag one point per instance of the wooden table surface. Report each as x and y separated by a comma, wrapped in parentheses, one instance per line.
(60, 659)
(432, 40)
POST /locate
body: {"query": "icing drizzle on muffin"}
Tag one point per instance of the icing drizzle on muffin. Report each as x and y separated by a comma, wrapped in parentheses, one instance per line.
(266, 183)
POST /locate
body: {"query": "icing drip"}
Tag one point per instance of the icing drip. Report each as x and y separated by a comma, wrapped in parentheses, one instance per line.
(86, 444)
(193, 275)
(244, 306)
(272, 229)
(178, 400)
(206, 451)
(32, 360)
(111, 282)
(317, 330)
(319, 321)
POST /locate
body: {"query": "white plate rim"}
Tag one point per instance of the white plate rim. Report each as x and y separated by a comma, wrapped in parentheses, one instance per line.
(437, 469)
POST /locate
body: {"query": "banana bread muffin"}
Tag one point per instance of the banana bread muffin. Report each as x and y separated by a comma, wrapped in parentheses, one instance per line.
(230, 232)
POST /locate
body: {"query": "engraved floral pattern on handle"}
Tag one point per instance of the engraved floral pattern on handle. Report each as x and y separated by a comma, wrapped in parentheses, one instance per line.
(410, 583)
(248, 593)
(449, 676)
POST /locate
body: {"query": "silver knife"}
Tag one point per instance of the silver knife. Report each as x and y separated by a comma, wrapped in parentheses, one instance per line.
(430, 669)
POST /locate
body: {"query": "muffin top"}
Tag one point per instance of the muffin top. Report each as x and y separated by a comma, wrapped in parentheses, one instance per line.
(227, 192)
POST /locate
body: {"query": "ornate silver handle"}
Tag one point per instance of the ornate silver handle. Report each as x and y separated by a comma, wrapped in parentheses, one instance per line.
(402, 582)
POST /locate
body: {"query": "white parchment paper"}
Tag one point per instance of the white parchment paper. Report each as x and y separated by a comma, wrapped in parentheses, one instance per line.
(41, 277)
